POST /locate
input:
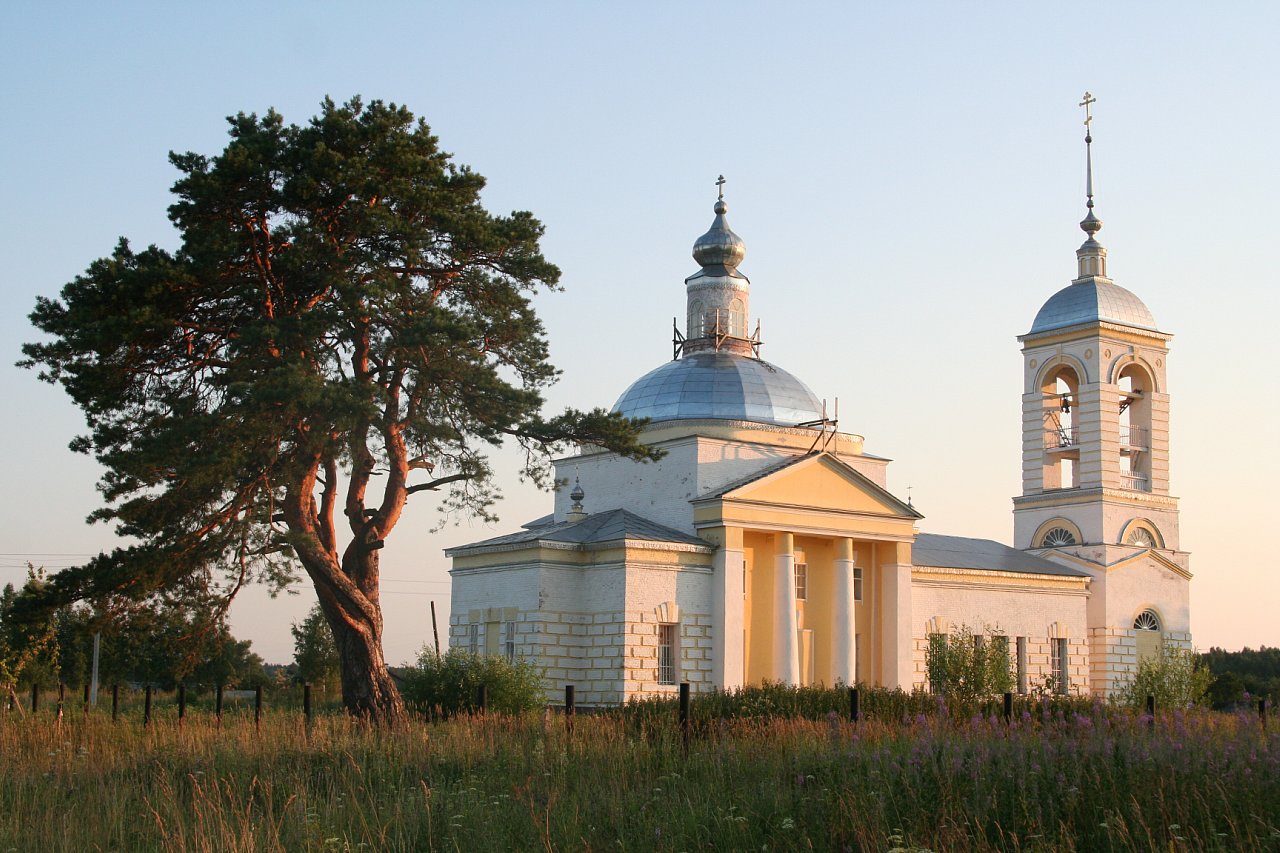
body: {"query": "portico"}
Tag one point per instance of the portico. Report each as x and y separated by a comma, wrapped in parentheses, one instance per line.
(812, 571)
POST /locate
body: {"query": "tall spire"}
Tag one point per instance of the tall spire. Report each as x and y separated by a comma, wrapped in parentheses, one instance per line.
(1091, 257)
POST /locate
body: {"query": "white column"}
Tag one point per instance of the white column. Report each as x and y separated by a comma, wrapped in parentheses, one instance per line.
(786, 632)
(844, 651)
(727, 624)
(898, 667)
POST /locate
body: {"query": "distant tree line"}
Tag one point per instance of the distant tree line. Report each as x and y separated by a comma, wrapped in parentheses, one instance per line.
(151, 642)
(1242, 675)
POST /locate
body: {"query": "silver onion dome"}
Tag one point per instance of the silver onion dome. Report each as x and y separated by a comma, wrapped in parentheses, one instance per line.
(1090, 301)
(719, 247)
(720, 386)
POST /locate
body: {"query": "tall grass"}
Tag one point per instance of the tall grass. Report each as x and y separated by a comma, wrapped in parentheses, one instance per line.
(1091, 779)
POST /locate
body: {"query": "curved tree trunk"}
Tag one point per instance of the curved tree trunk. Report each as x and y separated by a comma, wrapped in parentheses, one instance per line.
(355, 616)
(368, 690)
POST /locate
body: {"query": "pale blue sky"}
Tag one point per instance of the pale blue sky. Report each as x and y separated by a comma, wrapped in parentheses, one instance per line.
(907, 178)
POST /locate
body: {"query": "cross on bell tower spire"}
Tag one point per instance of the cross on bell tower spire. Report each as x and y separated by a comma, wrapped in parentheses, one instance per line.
(1091, 257)
(1087, 103)
(720, 187)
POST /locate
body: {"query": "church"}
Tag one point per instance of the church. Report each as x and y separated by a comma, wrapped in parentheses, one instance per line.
(766, 544)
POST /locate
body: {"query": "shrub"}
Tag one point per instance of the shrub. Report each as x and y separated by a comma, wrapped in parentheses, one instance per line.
(444, 686)
(968, 667)
(1175, 677)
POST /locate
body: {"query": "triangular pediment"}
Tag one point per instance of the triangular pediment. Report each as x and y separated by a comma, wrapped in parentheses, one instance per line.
(1135, 559)
(820, 481)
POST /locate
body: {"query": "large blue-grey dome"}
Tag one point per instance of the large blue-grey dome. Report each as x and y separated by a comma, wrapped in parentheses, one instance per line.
(720, 385)
(1090, 301)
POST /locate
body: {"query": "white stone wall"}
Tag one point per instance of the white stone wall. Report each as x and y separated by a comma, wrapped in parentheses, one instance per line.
(1034, 613)
(694, 466)
(595, 626)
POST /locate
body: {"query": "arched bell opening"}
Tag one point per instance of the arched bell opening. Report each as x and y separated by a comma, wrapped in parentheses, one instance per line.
(1059, 390)
(1135, 385)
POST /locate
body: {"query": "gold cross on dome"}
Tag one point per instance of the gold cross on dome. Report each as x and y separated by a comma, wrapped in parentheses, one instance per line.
(720, 186)
(1087, 103)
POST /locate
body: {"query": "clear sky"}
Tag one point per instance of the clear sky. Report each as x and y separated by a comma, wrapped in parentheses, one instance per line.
(907, 178)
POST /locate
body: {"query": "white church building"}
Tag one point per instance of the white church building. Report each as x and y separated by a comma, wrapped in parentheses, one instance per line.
(766, 544)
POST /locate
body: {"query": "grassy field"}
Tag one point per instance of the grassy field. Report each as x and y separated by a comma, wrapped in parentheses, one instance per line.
(1091, 780)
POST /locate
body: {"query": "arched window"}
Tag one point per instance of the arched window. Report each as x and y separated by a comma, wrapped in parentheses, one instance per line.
(1147, 621)
(1058, 536)
(1141, 537)
(1141, 533)
(737, 319)
(695, 319)
(1147, 635)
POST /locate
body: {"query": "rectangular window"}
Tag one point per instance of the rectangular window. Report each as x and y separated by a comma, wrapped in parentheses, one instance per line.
(1058, 665)
(1022, 665)
(509, 641)
(473, 638)
(667, 648)
(857, 584)
(802, 581)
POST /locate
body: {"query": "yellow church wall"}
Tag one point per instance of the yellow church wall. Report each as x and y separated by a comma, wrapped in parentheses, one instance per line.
(814, 613)
(758, 616)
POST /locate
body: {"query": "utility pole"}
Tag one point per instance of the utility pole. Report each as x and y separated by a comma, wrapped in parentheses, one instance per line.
(93, 683)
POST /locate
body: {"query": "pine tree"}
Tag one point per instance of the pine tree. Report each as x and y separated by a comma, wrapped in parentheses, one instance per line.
(343, 318)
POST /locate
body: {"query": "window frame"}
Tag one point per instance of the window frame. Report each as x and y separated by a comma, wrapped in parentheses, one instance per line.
(509, 641)
(1058, 665)
(802, 581)
(668, 658)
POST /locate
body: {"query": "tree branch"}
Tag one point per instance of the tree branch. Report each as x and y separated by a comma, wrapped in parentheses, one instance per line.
(435, 484)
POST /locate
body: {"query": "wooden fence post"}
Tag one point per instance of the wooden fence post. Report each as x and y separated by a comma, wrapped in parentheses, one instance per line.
(1008, 706)
(115, 702)
(86, 699)
(854, 712)
(35, 697)
(257, 709)
(182, 704)
(146, 708)
(568, 709)
(306, 703)
(217, 704)
(684, 715)
(482, 698)
(62, 697)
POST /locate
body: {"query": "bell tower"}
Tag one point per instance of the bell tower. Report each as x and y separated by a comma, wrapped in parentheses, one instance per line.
(1095, 454)
(1095, 411)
